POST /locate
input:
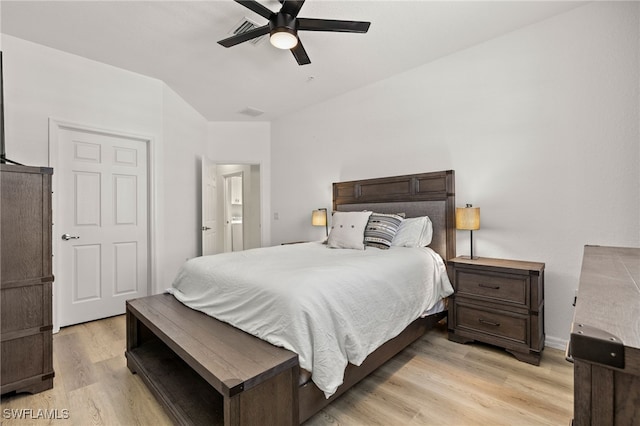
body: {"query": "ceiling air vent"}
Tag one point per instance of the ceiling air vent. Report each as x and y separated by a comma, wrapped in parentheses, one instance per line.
(245, 25)
(252, 112)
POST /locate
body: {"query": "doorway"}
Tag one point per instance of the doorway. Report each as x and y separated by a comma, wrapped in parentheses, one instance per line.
(233, 212)
(231, 201)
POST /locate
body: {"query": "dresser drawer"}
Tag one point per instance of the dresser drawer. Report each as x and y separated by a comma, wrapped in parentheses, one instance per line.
(504, 325)
(511, 288)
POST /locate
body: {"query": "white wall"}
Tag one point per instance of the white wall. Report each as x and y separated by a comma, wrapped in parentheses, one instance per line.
(540, 125)
(245, 143)
(184, 132)
(42, 83)
(252, 218)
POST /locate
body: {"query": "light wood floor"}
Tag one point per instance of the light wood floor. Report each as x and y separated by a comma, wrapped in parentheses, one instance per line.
(433, 382)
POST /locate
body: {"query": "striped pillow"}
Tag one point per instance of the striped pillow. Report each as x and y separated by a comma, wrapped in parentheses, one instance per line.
(381, 229)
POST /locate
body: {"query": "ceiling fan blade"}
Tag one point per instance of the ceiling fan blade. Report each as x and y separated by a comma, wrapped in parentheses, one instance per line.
(241, 38)
(300, 54)
(308, 24)
(257, 8)
(292, 7)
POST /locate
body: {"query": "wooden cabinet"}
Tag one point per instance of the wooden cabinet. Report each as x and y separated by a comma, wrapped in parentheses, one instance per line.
(236, 190)
(25, 279)
(500, 302)
(605, 338)
(236, 237)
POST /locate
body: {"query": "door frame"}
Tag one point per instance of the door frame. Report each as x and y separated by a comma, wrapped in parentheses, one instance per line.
(55, 125)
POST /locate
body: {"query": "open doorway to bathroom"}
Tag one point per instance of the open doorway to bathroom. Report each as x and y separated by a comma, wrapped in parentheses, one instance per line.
(231, 211)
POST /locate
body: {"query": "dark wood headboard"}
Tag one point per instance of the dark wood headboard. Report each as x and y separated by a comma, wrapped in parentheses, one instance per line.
(424, 194)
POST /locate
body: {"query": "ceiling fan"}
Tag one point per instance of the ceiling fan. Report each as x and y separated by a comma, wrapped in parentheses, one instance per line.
(284, 25)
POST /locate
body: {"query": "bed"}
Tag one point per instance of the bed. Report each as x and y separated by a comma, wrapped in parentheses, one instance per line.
(189, 359)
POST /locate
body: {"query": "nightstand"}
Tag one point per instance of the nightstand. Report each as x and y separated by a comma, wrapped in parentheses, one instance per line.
(500, 302)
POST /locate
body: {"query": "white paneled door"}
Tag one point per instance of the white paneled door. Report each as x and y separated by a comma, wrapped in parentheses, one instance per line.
(101, 224)
(209, 206)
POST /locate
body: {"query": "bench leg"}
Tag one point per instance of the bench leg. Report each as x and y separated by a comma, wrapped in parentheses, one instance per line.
(273, 402)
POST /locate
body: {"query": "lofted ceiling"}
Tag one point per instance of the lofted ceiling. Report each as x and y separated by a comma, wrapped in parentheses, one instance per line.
(176, 42)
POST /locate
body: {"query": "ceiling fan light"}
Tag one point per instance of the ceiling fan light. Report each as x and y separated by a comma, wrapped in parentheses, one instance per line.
(283, 39)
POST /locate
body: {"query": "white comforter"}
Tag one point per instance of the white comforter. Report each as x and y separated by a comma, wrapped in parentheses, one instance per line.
(330, 306)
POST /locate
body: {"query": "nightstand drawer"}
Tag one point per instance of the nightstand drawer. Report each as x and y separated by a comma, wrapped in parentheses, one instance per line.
(510, 288)
(505, 325)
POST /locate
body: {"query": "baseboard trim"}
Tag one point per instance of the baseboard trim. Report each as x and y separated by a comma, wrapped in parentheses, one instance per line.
(556, 343)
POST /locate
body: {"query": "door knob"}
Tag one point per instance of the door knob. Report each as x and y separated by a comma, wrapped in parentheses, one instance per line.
(68, 237)
(205, 228)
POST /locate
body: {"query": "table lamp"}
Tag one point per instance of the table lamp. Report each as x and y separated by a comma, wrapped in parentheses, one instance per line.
(319, 218)
(468, 218)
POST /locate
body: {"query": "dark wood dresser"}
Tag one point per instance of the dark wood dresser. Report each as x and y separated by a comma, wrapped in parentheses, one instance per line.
(25, 279)
(500, 302)
(605, 338)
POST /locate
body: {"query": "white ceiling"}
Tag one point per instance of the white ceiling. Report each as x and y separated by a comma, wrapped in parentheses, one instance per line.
(176, 42)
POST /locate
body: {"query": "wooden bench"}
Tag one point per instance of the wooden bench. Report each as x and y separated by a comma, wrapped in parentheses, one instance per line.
(605, 338)
(205, 371)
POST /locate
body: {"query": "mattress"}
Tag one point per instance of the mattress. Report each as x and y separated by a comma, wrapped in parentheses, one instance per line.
(330, 306)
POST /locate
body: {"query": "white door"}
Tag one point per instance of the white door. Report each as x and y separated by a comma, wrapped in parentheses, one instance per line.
(209, 206)
(228, 242)
(101, 224)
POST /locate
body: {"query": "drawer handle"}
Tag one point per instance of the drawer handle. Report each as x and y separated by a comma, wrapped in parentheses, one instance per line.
(492, 287)
(495, 324)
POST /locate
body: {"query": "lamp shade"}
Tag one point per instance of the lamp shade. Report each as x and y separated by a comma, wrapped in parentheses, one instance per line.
(468, 218)
(319, 217)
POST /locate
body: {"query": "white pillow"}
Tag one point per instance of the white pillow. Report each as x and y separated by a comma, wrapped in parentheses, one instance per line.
(414, 232)
(347, 230)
